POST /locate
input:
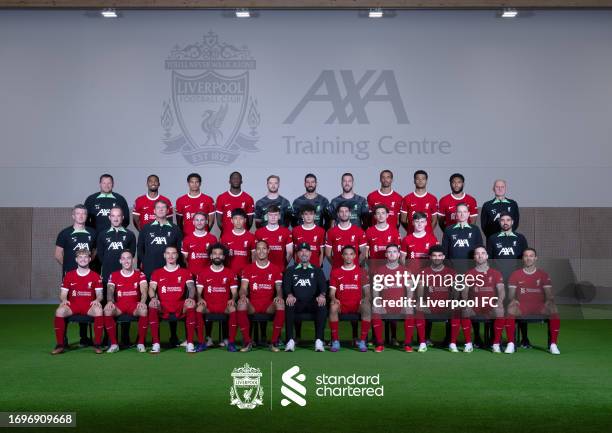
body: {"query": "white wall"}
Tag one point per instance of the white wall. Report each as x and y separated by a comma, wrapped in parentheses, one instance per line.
(528, 99)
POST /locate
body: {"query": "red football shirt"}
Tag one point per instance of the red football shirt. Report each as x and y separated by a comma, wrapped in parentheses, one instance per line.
(418, 247)
(314, 236)
(447, 207)
(240, 247)
(435, 286)
(196, 248)
(379, 239)
(127, 288)
(392, 200)
(81, 288)
(426, 203)
(348, 283)
(216, 287)
(144, 208)
(187, 206)
(491, 278)
(277, 240)
(530, 289)
(171, 286)
(393, 291)
(262, 283)
(227, 202)
(337, 238)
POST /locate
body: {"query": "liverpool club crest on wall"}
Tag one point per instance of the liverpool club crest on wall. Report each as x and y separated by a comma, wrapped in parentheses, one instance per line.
(212, 115)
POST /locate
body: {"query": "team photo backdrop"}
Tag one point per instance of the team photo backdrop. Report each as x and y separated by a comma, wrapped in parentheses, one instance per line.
(172, 92)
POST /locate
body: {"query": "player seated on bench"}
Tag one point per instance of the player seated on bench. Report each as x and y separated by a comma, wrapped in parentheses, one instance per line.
(171, 290)
(395, 293)
(489, 292)
(530, 293)
(80, 295)
(349, 293)
(305, 288)
(217, 288)
(262, 281)
(126, 294)
(434, 292)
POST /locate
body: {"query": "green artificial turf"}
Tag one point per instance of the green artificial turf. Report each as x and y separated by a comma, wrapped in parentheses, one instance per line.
(530, 391)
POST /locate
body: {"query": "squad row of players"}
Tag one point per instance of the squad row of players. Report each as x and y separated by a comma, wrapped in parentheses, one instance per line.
(262, 288)
(112, 238)
(196, 214)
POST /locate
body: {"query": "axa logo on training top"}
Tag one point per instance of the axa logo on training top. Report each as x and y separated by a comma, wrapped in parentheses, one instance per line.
(212, 114)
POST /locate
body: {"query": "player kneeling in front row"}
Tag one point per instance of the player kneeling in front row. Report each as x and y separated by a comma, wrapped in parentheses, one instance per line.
(126, 293)
(171, 290)
(530, 293)
(262, 281)
(395, 294)
(488, 292)
(349, 293)
(80, 294)
(217, 288)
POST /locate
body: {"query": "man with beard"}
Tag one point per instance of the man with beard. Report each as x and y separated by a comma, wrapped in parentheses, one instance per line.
(273, 198)
(217, 288)
(343, 234)
(387, 197)
(143, 212)
(447, 207)
(311, 198)
(305, 289)
(358, 206)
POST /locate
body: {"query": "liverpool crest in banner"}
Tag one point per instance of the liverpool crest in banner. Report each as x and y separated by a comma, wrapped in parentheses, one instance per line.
(212, 115)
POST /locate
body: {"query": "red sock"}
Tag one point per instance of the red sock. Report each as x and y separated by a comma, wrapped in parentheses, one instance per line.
(243, 322)
(59, 324)
(143, 325)
(154, 324)
(200, 326)
(510, 329)
(554, 323)
(111, 328)
(190, 322)
(498, 326)
(377, 326)
(233, 327)
(420, 326)
(98, 329)
(279, 320)
(334, 330)
(393, 327)
(365, 329)
(466, 324)
(455, 324)
(408, 330)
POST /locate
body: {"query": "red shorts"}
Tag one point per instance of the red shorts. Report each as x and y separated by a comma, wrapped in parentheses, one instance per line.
(126, 307)
(531, 308)
(261, 305)
(349, 306)
(175, 308)
(79, 308)
(216, 307)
